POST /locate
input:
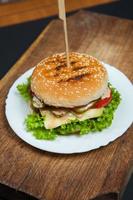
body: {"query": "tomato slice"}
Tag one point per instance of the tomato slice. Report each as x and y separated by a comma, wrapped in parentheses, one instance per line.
(103, 102)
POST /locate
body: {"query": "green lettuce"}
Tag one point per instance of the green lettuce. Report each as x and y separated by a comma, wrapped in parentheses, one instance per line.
(35, 123)
(24, 90)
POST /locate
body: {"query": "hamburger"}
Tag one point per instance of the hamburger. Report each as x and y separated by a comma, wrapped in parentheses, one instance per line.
(69, 100)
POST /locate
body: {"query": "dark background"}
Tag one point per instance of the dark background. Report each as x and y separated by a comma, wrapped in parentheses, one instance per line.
(17, 38)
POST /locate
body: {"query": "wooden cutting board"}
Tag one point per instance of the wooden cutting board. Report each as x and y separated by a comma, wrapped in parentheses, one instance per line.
(47, 176)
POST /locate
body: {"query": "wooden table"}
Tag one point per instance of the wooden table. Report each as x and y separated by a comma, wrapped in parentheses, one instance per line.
(102, 173)
(26, 10)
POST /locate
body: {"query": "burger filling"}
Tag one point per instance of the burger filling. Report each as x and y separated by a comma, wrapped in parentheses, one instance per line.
(46, 122)
(55, 117)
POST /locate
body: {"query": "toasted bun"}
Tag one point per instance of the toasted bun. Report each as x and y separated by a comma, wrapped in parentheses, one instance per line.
(58, 85)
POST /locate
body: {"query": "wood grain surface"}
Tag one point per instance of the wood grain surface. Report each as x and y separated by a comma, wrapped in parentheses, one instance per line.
(26, 10)
(47, 176)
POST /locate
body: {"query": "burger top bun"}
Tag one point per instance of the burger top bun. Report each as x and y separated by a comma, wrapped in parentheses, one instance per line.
(56, 84)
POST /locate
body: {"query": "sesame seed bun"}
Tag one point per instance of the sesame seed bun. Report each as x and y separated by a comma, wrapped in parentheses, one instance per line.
(57, 85)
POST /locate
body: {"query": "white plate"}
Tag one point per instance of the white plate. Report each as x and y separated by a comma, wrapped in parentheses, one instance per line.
(17, 110)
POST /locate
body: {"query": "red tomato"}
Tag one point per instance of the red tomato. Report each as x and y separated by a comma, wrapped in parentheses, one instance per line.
(103, 102)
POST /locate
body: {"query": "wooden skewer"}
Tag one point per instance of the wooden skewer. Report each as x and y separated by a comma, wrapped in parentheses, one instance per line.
(62, 16)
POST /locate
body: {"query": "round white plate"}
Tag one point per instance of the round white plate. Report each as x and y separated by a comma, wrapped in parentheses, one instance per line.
(17, 109)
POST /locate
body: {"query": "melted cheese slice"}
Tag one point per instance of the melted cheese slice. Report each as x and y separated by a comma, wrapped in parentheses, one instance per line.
(51, 121)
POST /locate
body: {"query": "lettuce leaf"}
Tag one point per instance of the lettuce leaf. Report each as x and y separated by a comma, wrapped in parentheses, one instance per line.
(35, 123)
(24, 90)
